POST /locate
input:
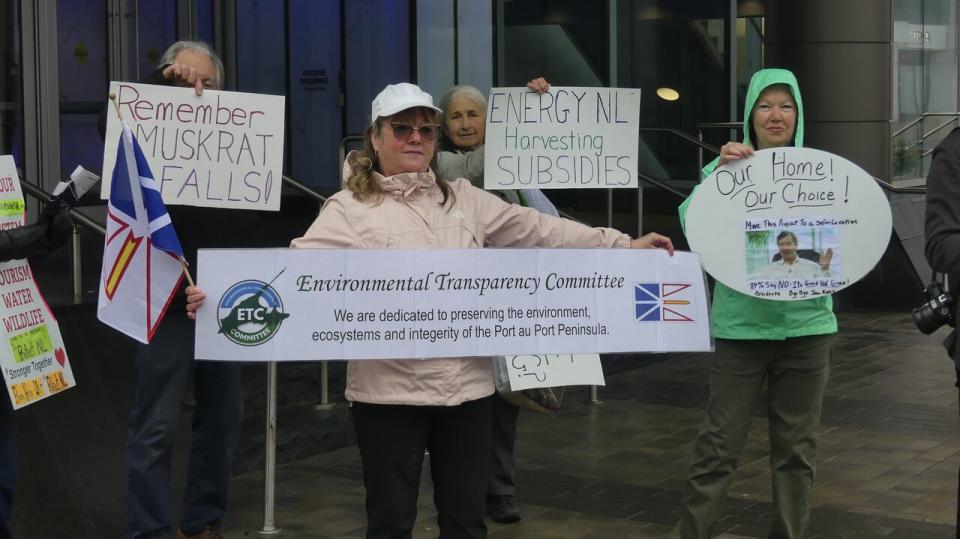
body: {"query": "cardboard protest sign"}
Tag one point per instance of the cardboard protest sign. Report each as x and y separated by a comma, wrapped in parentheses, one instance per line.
(316, 304)
(569, 137)
(529, 371)
(32, 356)
(221, 149)
(789, 223)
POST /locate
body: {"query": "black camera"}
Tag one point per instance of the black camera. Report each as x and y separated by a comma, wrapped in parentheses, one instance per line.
(937, 311)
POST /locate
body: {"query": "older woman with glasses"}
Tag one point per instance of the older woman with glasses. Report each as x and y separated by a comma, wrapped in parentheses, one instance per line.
(394, 199)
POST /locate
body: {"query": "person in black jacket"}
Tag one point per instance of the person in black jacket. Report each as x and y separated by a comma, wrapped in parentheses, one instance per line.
(49, 232)
(942, 233)
(165, 367)
(942, 221)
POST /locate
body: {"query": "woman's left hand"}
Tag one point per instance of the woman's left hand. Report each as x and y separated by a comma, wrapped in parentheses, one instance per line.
(195, 298)
(539, 85)
(652, 241)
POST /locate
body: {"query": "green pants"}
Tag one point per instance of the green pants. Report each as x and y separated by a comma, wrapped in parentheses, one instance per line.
(795, 372)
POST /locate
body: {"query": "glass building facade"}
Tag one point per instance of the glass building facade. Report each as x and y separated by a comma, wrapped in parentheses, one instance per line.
(329, 57)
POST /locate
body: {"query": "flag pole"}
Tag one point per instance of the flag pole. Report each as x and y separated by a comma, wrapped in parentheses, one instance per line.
(183, 264)
(116, 105)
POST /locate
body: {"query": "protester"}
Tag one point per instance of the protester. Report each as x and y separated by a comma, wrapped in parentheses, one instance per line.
(49, 232)
(463, 121)
(942, 224)
(786, 345)
(401, 407)
(165, 368)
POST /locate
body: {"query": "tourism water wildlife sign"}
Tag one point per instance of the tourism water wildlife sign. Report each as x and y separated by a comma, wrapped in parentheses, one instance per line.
(220, 149)
(32, 356)
(789, 223)
(565, 138)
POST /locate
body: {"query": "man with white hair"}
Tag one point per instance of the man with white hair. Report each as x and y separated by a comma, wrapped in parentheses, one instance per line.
(165, 369)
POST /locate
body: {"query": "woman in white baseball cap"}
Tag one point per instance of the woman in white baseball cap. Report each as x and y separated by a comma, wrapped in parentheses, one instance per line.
(401, 407)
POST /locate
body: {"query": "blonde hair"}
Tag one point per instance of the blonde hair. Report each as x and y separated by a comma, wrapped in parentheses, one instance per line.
(365, 161)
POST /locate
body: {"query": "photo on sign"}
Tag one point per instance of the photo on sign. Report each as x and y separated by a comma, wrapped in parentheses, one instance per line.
(792, 253)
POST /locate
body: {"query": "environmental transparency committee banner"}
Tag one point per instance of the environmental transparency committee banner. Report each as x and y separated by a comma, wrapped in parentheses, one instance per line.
(321, 304)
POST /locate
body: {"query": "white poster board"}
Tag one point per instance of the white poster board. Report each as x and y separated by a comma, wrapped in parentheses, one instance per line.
(320, 304)
(529, 371)
(220, 149)
(789, 223)
(32, 356)
(566, 138)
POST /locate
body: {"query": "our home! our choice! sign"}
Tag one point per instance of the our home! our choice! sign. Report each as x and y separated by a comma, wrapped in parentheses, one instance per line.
(568, 137)
(221, 149)
(789, 223)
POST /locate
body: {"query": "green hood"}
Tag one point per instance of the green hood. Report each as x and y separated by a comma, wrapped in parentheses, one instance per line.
(758, 83)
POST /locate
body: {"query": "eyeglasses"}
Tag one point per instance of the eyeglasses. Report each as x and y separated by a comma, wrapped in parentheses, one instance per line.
(428, 132)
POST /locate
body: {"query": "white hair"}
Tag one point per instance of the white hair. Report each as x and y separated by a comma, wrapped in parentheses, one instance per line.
(199, 46)
(463, 90)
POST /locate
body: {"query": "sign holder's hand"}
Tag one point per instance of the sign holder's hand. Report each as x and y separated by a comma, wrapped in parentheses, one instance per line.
(195, 298)
(652, 241)
(184, 74)
(539, 85)
(732, 151)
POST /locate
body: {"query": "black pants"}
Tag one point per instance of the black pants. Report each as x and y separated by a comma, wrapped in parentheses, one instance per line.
(501, 482)
(392, 439)
(8, 464)
(162, 374)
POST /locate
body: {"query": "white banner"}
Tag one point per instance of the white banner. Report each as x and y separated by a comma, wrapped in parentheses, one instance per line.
(569, 137)
(789, 223)
(221, 149)
(32, 356)
(530, 371)
(317, 304)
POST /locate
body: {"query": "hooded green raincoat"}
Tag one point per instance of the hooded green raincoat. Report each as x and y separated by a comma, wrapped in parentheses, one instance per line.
(735, 315)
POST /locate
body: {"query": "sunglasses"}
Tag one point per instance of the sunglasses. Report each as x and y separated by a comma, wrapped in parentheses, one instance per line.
(428, 132)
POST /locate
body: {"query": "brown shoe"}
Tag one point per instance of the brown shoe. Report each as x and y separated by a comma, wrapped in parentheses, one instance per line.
(208, 533)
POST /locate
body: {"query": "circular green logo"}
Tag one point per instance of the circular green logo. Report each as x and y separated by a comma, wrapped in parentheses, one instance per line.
(250, 313)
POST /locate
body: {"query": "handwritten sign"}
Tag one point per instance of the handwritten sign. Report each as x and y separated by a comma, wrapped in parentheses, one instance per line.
(32, 356)
(316, 304)
(789, 223)
(566, 138)
(221, 149)
(529, 371)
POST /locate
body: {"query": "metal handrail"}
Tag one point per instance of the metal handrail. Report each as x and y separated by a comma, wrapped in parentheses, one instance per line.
(683, 135)
(926, 135)
(303, 188)
(919, 119)
(662, 185)
(720, 125)
(900, 190)
(79, 218)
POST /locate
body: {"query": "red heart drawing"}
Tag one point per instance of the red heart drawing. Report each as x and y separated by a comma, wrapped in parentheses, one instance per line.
(61, 356)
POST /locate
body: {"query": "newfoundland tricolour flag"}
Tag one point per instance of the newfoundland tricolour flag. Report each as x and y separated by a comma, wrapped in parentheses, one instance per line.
(141, 267)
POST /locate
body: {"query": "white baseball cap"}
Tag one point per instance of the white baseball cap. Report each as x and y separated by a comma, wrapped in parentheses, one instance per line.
(397, 97)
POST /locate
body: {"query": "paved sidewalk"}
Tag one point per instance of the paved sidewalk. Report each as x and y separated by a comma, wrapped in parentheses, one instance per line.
(890, 448)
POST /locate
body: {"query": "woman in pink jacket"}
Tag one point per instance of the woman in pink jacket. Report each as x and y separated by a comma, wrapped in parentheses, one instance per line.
(402, 407)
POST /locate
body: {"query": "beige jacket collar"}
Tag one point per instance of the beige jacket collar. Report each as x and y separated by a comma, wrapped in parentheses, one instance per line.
(407, 186)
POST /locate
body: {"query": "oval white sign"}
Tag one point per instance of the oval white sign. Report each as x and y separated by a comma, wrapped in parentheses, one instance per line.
(789, 223)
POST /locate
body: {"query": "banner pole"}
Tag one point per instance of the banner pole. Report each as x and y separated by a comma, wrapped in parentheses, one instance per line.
(270, 461)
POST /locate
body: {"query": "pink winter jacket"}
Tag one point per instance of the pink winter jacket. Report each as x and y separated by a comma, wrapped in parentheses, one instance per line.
(410, 216)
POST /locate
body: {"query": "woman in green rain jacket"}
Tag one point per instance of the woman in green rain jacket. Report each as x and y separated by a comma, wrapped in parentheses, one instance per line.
(786, 345)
